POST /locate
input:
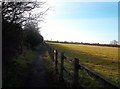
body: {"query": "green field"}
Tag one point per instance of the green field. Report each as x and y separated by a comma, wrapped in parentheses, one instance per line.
(101, 59)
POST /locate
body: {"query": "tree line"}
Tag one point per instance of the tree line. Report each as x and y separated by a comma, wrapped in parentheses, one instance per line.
(20, 29)
(94, 44)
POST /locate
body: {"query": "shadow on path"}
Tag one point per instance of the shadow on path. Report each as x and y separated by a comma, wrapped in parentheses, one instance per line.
(36, 76)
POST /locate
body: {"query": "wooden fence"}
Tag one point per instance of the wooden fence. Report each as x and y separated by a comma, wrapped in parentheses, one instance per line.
(77, 66)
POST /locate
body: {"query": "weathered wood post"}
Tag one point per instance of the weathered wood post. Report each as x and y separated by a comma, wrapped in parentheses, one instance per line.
(62, 66)
(76, 73)
(52, 55)
(56, 61)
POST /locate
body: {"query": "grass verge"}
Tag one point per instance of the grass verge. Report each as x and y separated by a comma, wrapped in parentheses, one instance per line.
(50, 70)
(53, 78)
(14, 74)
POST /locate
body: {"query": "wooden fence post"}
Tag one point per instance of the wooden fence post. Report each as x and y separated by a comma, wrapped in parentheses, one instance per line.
(76, 73)
(62, 66)
(56, 61)
(52, 54)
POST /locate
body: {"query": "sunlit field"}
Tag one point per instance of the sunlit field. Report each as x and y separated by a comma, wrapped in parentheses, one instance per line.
(101, 59)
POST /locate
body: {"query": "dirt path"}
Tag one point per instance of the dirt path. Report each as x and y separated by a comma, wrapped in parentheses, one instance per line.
(36, 76)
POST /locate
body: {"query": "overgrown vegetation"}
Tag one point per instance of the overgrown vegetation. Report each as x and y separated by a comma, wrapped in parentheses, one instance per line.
(32, 37)
(14, 73)
(103, 60)
(52, 76)
(20, 36)
(49, 68)
(16, 34)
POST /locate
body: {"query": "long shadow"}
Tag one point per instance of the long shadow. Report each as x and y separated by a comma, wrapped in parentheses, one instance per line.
(36, 77)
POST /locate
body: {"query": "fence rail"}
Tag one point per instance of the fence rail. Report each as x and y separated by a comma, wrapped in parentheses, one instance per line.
(77, 66)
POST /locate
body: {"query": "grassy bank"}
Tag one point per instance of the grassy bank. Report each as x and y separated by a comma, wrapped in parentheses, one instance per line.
(52, 77)
(103, 60)
(15, 73)
(49, 68)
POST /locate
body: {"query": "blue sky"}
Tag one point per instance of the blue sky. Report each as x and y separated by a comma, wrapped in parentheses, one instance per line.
(94, 22)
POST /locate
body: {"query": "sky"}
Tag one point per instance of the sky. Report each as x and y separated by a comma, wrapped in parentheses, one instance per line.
(91, 22)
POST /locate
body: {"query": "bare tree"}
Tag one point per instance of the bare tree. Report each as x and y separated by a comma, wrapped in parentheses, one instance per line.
(19, 12)
(114, 42)
(16, 14)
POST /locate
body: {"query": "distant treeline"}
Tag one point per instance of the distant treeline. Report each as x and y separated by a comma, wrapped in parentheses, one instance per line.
(95, 44)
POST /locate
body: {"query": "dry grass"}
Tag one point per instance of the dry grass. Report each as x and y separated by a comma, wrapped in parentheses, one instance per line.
(103, 60)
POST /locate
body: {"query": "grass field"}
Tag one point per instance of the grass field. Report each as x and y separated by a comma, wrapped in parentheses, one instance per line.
(103, 60)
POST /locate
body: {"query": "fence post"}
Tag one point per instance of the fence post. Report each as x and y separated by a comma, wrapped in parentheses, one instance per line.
(52, 55)
(61, 66)
(76, 73)
(56, 61)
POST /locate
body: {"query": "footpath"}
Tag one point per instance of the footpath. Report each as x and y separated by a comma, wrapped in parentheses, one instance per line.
(36, 76)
